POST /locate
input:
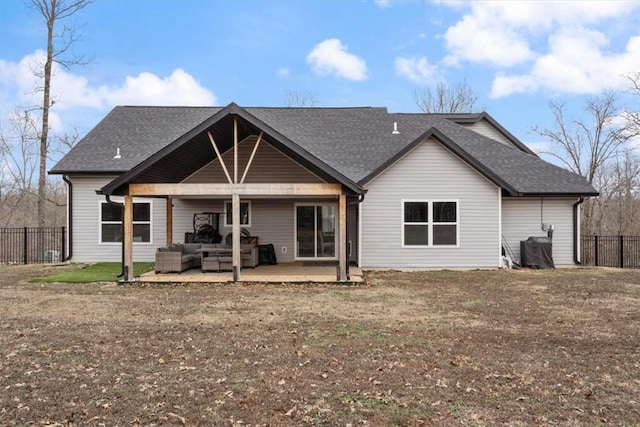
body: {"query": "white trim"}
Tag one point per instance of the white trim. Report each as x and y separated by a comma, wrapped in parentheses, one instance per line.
(335, 233)
(135, 201)
(430, 224)
(224, 214)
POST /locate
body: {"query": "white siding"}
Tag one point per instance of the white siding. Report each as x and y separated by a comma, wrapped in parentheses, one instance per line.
(523, 217)
(86, 224)
(430, 172)
(486, 129)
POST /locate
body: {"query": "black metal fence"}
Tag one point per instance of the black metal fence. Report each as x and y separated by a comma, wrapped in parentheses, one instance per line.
(31, 245)
(611, 251)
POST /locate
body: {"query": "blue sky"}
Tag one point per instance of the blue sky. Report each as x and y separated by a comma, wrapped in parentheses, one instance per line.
(517, 56)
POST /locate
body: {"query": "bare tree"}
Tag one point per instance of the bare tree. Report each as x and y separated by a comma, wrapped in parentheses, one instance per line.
(19, 149)
(614, 211)
(443, 98)
(632, 116)
(19, 144)
(584, 145)
(300, 98)
(590, 146)
(58, 44)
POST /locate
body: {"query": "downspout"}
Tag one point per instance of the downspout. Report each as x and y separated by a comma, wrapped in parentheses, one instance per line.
(65, 178)
(121, 205)
(576, 231)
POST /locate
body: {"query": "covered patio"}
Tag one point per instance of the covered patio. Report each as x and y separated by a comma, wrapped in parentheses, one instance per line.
(289, 272)
(235, 158)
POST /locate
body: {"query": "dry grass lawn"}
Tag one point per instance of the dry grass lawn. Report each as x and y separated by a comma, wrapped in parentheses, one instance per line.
(433, 348)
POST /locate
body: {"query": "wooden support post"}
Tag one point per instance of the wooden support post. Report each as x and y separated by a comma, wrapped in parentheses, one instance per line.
(342, 251)
(169, 225)
(237, 257)
(128, 238)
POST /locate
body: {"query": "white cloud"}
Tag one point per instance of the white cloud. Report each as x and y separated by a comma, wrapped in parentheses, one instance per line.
(575, 64)
(69, 90)
(331, 57)
(180, 88)
(418, 70)
(475, 39)
(501, 33)
(505, 85)
(557, 45)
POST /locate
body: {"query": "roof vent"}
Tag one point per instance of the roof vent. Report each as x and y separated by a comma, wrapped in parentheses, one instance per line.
(117, 156)
(395, 129)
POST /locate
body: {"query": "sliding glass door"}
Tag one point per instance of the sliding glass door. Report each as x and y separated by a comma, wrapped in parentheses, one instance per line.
(316, 231)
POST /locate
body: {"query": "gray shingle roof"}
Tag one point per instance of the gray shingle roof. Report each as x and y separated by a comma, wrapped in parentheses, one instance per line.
(137, 131)
(355, 142)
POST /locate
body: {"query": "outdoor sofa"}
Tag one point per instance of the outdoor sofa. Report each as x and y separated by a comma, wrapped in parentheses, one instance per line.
(179, 257)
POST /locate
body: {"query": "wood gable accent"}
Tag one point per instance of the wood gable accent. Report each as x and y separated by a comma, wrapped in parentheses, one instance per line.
(268, 165)
(264, 171)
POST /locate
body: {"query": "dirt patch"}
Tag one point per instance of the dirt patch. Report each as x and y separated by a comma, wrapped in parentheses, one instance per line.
(468, 348)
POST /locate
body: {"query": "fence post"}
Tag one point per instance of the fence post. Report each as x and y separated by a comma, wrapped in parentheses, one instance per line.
(64, 246)
(596, 248)
(25, 241)
(621, 251)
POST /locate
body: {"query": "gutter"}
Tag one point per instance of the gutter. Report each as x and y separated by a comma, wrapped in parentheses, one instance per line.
(121, 206)
(576, 231)
(360, 200)
(65, 178)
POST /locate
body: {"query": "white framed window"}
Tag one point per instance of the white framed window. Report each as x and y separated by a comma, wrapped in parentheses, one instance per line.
(110, 219)
(245, 213)
(427, 223)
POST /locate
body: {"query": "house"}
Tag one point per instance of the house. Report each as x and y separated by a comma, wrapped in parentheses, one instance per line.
(359, 185)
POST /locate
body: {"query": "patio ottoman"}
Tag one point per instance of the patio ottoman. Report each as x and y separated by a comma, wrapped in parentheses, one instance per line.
(210, 263)
(226, 263)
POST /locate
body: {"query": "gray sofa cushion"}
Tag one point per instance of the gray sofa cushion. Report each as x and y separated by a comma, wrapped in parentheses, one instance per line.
(219, 251)
(191, 248)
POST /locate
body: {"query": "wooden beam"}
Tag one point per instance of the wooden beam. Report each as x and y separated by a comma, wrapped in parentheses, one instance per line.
(128, 238)
(284, 189)
(169, 223)
(253, 153)
(342, 223)
(235, 230)
(215, 147)
(235, 149)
